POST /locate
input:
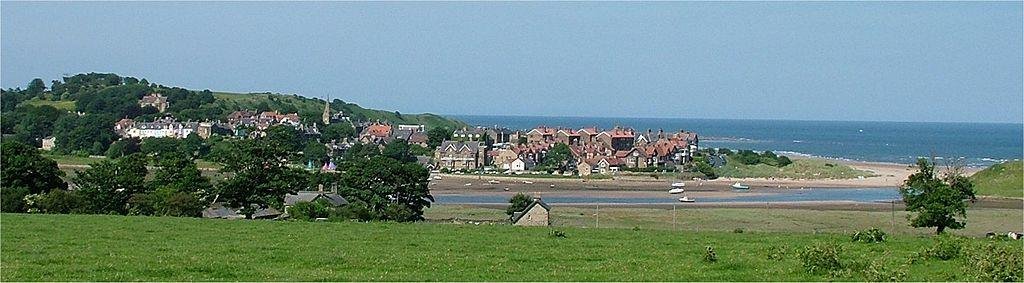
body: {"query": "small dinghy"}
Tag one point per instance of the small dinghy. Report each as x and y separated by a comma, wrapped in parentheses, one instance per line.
(686, 199)
(739, 186)
(676, 191)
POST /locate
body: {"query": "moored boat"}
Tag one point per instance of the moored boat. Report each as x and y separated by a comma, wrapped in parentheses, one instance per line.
(739, 186)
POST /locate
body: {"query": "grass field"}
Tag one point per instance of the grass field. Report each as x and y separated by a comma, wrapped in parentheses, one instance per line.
(118, 248)
(60, 104)
(800, 169)
(979, 221)
(1003, 180)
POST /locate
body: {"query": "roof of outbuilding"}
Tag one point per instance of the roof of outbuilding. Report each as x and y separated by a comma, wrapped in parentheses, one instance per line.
(311, 196)
(536, 201)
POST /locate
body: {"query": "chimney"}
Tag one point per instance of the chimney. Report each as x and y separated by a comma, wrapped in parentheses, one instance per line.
(321, 188)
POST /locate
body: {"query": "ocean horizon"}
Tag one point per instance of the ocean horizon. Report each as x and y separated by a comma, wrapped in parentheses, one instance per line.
(977, 144)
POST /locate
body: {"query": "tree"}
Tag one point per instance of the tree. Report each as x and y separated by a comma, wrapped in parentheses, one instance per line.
(24, 167)
(193, 146)
(260, 176)
(518, 203)
(392, 190)
(30, 124)
(337, 132)
(178, 187)
(398, 150)
(937, 203)
(437, 135)
(36, 87)
(315, 152)
(522, 140)
(361, 151)
(558, 158)
(108, 185)
(161, 146)
(90, 132)
(286, 137)
(123, 147)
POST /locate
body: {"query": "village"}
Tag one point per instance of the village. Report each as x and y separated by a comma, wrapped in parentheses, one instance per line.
(493, 150)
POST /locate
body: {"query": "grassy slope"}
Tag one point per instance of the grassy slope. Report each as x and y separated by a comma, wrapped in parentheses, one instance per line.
(800, 169)
(310, 105)
(62, 104)
(1005, 180)
(81, 247)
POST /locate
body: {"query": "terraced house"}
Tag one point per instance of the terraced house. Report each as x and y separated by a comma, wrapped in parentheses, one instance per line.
(458, 155)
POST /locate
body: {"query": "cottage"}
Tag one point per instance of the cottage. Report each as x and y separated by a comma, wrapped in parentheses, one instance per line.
(520, 165)
(375, 133)
(49, 143)
(535, 214)
(311, 196)
(154, 100)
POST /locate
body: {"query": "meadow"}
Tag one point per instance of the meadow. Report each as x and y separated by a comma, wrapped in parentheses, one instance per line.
(133, 248)
(802, 168)
(1001, 180)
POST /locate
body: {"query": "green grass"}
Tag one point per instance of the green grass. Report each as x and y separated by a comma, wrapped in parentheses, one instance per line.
(73, 160)
(60, 104)
(979, 221)
(119, 248)
(1003, 180)
(800, 169)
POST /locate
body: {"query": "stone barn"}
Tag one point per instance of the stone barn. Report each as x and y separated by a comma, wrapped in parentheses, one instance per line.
(535, 214)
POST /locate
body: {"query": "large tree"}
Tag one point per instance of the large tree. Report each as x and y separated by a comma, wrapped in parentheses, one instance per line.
(178, 186)
(392, 189)
(437, 135)
(936, 202)
(558, 158)
(260, 176)
(518, 203)
(337, 132)
(91, 133)
(25, 172)
(108, 185)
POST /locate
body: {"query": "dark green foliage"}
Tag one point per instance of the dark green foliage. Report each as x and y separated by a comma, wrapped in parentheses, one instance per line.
(287, 138)
(260, 175)
(123, 147)
(23, 167)
(160, 146)
(391, 189)
(91, 133)
(701, 165)
(84, 83)
(398, 150)
(30, 124)
(193, 146)
(878, 271)
(337, 132)
(558, 158)
(309, 211)
(710, 255)
(558, 234)
(749, 157)
(12, 199)
(946, 247)
(823, 258)
(10, 98)
(518, 203)
(936, 202)
(59, 201)
(35, 87)
(437, 135)
(118, 101)
(872, 235)
(724, 151)
(179, 188)
(108, 185)
(361, 151)
(315, 152)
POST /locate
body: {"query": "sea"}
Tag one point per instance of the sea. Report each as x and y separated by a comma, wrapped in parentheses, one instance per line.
(975, 144)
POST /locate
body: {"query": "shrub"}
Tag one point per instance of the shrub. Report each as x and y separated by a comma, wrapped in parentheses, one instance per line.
(57, 201)
(822, 258)
(709, 255)
(877, 271)
(354, 210)
(13, 199)
(737, 230)
(872, 235)
(996, 263)
(776, 253)
(308, 211)
(557, 234)
(946, 247)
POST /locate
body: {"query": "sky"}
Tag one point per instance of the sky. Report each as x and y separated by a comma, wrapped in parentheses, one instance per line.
(859, 61)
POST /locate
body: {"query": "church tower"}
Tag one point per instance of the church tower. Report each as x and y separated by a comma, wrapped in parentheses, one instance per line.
(327, 112)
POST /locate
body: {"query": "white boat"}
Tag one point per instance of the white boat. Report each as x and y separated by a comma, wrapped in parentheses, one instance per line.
(493, 181)
(469, 184)
(739, 186)
(527, 182)
(676, 191)
(678, 185)
(686, 199)
(437, 177)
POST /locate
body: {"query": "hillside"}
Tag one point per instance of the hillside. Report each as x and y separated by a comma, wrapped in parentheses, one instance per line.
(313, 108)
(133, 248)
(1004, 180)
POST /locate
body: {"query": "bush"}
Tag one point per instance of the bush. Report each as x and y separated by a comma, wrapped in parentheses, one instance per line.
(309, 211)
(57, 201)
(709, 255)
(996, 263)
(776, 253)
(873, 235)
(181, 204)
(877, 271)
(737, 230)
(822, 258)
(354, 210)
(946, 248)
(13, 199)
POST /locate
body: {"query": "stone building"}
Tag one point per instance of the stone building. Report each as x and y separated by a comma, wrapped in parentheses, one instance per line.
(535, 214)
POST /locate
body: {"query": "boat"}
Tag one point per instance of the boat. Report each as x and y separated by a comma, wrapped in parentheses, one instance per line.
(678, 185)
(493, 181)
(527, 182)
(686, 199)
(676, 191)
(739, 186)
(437, 177)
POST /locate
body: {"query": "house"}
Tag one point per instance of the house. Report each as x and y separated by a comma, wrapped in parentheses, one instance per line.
(154, 100)
(466, 134)
(541, 134)
(500, 135)
(520, 165)
(161, 128)
(49, 143)
(503, 158)
(312, 196)
(455, 155)
(376, 132)
(600, 165)
(419, 138)
(535, 214)
(567, 136)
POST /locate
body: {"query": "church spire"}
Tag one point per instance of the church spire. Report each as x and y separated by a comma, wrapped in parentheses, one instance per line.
(327, 112)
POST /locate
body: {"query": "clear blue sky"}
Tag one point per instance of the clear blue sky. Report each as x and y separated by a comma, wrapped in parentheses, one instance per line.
(935, 61)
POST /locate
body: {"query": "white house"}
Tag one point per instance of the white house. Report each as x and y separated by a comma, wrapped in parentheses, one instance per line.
(520, 165)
